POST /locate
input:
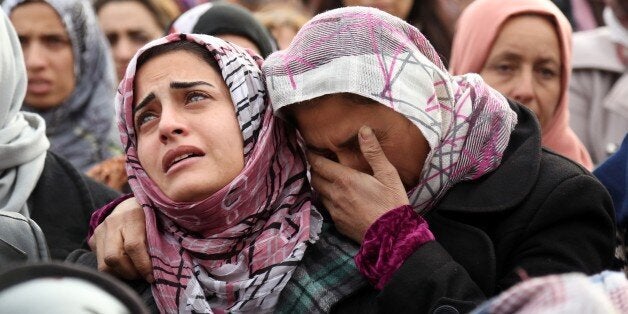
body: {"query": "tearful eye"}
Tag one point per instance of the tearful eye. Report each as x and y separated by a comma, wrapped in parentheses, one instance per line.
(143, 118)
(195, 96)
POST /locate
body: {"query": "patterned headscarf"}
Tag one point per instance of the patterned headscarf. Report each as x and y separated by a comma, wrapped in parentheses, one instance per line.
(81, 128)
(368, 52)
(235, 250)
(478, 27)
(23, 142)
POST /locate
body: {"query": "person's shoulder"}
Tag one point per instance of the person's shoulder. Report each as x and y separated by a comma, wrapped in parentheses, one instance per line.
(60, 173)
(594, 50)
(560, 167)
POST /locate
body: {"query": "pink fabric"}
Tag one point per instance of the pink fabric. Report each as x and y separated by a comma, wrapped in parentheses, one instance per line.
(583, 15)
(466, 123)
(235, 250)
(389, 241)
(100, 214)
(477, 29)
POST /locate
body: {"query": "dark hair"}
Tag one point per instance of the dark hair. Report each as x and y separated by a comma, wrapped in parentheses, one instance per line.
(181, 45)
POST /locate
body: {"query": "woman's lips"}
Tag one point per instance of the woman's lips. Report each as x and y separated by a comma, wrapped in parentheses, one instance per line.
(179, 154)
(39, 86)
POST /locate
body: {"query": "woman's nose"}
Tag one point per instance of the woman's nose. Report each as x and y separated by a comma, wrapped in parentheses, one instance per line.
(35, 57)
(523, 88)
(171, 125)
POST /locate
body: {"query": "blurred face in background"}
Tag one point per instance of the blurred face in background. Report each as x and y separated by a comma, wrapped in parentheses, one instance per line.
(398, 8)
(128, 25)
(47, 54)
(525, 64)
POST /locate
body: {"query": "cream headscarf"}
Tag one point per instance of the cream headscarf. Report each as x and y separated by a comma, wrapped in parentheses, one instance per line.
(478, 27)
(23, 142)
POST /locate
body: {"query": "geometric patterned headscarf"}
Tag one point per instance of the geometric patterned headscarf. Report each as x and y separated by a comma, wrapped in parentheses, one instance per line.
(81, 128)
(368, 52)
(236, 249)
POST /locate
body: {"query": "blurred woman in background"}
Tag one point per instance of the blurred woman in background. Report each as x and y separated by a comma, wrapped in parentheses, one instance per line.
(129, 24)
(523, 49)
(70, 76)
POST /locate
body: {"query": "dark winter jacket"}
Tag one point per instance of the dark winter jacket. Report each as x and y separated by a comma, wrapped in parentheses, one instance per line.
(62, 203)
(537, 214)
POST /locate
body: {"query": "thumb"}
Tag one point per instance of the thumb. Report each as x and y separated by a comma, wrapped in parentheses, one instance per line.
(383, 170)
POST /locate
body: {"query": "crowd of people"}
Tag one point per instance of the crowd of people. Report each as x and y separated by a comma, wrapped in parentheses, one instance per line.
(439, 156)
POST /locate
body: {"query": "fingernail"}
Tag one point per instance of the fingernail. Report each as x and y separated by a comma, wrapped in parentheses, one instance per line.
(366, 133)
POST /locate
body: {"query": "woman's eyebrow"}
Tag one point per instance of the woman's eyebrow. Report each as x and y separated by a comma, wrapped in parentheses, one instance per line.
(150, 97)
(179, 85)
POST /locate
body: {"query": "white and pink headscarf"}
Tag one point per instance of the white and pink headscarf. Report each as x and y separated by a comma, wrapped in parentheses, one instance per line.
(235, 250)
(373, 54)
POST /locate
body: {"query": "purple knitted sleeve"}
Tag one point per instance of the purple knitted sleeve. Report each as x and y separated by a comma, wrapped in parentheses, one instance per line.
(389, 241)
(100, 214)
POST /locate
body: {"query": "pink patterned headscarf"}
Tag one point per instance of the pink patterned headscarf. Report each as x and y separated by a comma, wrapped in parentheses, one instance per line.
(478, 28)
(235, 250)
(368, 52)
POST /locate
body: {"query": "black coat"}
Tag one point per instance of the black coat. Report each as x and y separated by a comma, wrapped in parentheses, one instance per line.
(62, 203)
(538, 212)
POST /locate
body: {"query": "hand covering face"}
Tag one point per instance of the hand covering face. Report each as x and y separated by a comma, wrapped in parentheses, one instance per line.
(373, 54)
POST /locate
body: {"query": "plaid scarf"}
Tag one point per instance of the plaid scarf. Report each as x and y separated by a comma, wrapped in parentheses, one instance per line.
(263, 215)
(325, 275)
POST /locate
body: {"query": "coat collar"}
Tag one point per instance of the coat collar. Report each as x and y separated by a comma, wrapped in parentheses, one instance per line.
(512, 181)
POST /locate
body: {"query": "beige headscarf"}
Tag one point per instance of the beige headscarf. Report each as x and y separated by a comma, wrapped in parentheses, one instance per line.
(478, 27)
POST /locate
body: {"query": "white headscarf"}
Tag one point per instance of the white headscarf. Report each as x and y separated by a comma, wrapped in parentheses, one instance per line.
(23, 142)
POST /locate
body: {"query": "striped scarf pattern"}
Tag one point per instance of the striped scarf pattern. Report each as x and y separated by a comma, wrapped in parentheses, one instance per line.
(263, 215)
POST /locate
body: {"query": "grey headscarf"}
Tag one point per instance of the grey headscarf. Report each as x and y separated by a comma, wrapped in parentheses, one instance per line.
(23, 141)
(82, 128)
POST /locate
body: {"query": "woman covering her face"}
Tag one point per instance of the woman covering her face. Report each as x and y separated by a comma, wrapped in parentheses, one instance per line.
(70, 76)
(523, 49)
(470, 162)
(394, 143)
(222, 185)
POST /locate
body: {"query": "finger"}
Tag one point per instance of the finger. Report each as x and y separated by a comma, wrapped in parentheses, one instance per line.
(383, 170)
(321, 185)
(115, 259)
(137, 251)
(328, 169)
(331, 208)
